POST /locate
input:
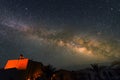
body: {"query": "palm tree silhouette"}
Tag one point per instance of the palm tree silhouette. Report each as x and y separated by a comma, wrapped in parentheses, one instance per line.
(48, 71)
(97, 70)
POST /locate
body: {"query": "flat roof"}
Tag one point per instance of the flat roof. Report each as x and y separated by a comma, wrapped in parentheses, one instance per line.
(20, 64)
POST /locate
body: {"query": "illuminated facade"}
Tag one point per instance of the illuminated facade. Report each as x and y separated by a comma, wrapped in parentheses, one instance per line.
(31, 69)
(20, 64)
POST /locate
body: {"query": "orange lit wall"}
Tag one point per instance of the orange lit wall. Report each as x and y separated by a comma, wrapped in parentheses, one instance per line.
(20, 64)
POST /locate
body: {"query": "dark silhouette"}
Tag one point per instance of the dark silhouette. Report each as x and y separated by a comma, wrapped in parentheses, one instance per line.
(48, 71)
(39, 78)
(38, 71)
(21, 56)
(97, 70)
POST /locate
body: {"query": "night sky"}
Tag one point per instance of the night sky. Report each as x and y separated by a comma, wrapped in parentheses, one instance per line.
(63, 33)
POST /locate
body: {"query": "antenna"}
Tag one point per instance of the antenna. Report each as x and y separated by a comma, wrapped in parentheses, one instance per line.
(21, 56)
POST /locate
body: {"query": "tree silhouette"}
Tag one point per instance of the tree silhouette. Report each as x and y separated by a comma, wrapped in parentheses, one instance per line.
(97, 70)
(48, 71)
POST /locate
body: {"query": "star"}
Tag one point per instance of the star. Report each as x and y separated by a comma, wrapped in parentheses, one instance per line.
(119, 10)
(111, 9)
(26, 8)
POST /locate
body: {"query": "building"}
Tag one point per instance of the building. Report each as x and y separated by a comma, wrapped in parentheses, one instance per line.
(23, 68)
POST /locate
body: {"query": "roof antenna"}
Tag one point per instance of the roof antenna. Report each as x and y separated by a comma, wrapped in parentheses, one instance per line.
(21, 56)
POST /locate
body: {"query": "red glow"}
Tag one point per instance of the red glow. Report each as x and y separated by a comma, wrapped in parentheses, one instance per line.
(20, 64)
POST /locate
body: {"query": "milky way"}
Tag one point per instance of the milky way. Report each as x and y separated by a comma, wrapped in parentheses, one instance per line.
(62, 33)
(41, 43)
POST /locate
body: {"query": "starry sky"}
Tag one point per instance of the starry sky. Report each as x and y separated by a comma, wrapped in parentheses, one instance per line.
(63, 33)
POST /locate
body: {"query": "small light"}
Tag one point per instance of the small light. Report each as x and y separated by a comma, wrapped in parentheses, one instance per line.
(28, 79)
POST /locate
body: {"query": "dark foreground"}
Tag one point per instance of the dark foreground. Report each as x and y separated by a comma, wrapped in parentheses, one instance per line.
(94, 72)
